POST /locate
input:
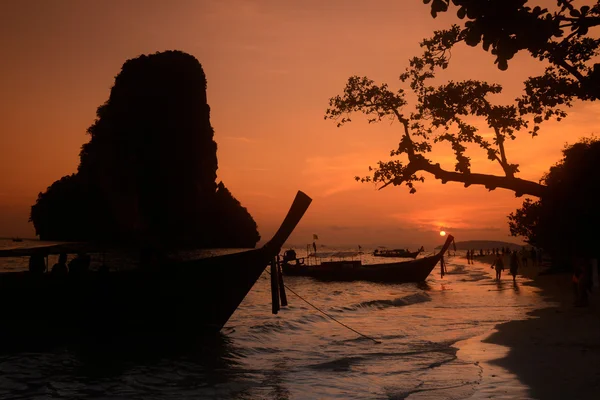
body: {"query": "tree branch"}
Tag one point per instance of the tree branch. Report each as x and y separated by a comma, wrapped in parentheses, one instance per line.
(571, 69)
(411, 149)
(504, 161)
(519, 186)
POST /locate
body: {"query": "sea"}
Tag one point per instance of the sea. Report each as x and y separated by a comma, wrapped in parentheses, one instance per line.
(414, 341)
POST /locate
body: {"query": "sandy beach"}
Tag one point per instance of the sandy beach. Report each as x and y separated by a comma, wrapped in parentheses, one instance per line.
(555, 354)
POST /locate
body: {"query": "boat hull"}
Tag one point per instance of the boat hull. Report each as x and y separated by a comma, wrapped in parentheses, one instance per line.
(346, 271)
(174, 298)
(397, 254)
(196, 296)
(398, 272)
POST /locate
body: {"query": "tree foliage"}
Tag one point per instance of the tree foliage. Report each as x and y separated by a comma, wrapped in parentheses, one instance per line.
(445, 113)
(561, 36)
(149, 169)
(441, 114)
(564, 220)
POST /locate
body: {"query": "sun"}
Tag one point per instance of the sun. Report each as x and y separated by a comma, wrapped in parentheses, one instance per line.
(442, 233)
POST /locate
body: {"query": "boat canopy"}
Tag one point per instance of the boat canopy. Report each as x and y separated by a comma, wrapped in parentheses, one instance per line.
(48, 249)
(335, 254)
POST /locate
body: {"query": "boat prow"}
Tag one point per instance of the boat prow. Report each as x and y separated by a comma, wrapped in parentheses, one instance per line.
(178, 297)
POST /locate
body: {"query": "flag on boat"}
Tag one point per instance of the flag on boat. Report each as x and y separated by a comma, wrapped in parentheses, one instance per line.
(315, 237)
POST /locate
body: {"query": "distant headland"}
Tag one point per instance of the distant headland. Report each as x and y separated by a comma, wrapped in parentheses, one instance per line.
(486, 244)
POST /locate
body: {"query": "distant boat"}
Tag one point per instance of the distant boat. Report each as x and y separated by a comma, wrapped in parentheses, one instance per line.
(178, 298)
(353, 270)
(401, 253)
(16, 239)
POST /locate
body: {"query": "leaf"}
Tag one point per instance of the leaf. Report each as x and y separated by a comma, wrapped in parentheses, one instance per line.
(502, 65)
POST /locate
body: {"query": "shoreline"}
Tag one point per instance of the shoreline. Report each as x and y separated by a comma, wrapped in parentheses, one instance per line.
(552, 354)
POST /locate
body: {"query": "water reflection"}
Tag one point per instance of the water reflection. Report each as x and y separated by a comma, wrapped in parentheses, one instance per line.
(87, 369)
(274, 379)
(516, 287)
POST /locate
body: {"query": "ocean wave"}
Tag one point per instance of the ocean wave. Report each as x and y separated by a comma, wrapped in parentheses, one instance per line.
(456, 270)
(411, 299)
(274, 326)
(340, 364)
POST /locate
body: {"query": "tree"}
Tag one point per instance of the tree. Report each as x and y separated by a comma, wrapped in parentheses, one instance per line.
(441, 114)
(560, 36)
(560, 221)
(148, 173)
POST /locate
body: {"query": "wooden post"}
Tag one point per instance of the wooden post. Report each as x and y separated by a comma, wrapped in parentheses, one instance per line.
(307, 254)
(274, 287)
(282, 294)
(443, 266)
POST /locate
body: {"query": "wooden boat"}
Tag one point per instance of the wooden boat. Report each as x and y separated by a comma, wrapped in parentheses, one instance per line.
(399, 253)
(395, 272)
(180, 297)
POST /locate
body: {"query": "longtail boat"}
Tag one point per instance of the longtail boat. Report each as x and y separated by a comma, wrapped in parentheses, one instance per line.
(395, 272)
(186, 297)
(400, 253)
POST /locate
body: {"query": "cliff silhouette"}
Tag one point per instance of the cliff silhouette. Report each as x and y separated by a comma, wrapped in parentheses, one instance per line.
(148, 173)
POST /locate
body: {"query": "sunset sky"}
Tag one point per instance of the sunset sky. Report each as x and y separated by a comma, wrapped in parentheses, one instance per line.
(271, 68)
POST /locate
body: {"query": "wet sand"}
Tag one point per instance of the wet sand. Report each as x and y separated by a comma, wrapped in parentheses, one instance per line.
(555, 354)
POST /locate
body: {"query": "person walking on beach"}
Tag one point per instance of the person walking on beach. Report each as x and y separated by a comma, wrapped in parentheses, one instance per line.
(514, 265)
(499, 265)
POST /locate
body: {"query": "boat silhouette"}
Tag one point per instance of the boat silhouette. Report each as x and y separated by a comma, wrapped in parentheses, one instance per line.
(179, 298)
(353, 270)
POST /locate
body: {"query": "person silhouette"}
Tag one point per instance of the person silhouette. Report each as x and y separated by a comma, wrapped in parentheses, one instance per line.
(80, 265)
(499, 266)
(60, 268)
(514, 264)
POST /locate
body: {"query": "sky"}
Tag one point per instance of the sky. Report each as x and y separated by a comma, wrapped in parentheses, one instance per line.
(271, 68)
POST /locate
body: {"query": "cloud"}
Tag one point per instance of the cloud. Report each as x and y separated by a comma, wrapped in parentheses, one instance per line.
(240, 139)
(341, 187)
(454, 217)
(341, 228)
(335, 174)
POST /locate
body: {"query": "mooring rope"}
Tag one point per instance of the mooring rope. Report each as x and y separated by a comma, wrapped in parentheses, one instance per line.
(330, 316)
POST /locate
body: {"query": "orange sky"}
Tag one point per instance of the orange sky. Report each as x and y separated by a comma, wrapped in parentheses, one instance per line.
(271, 68)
